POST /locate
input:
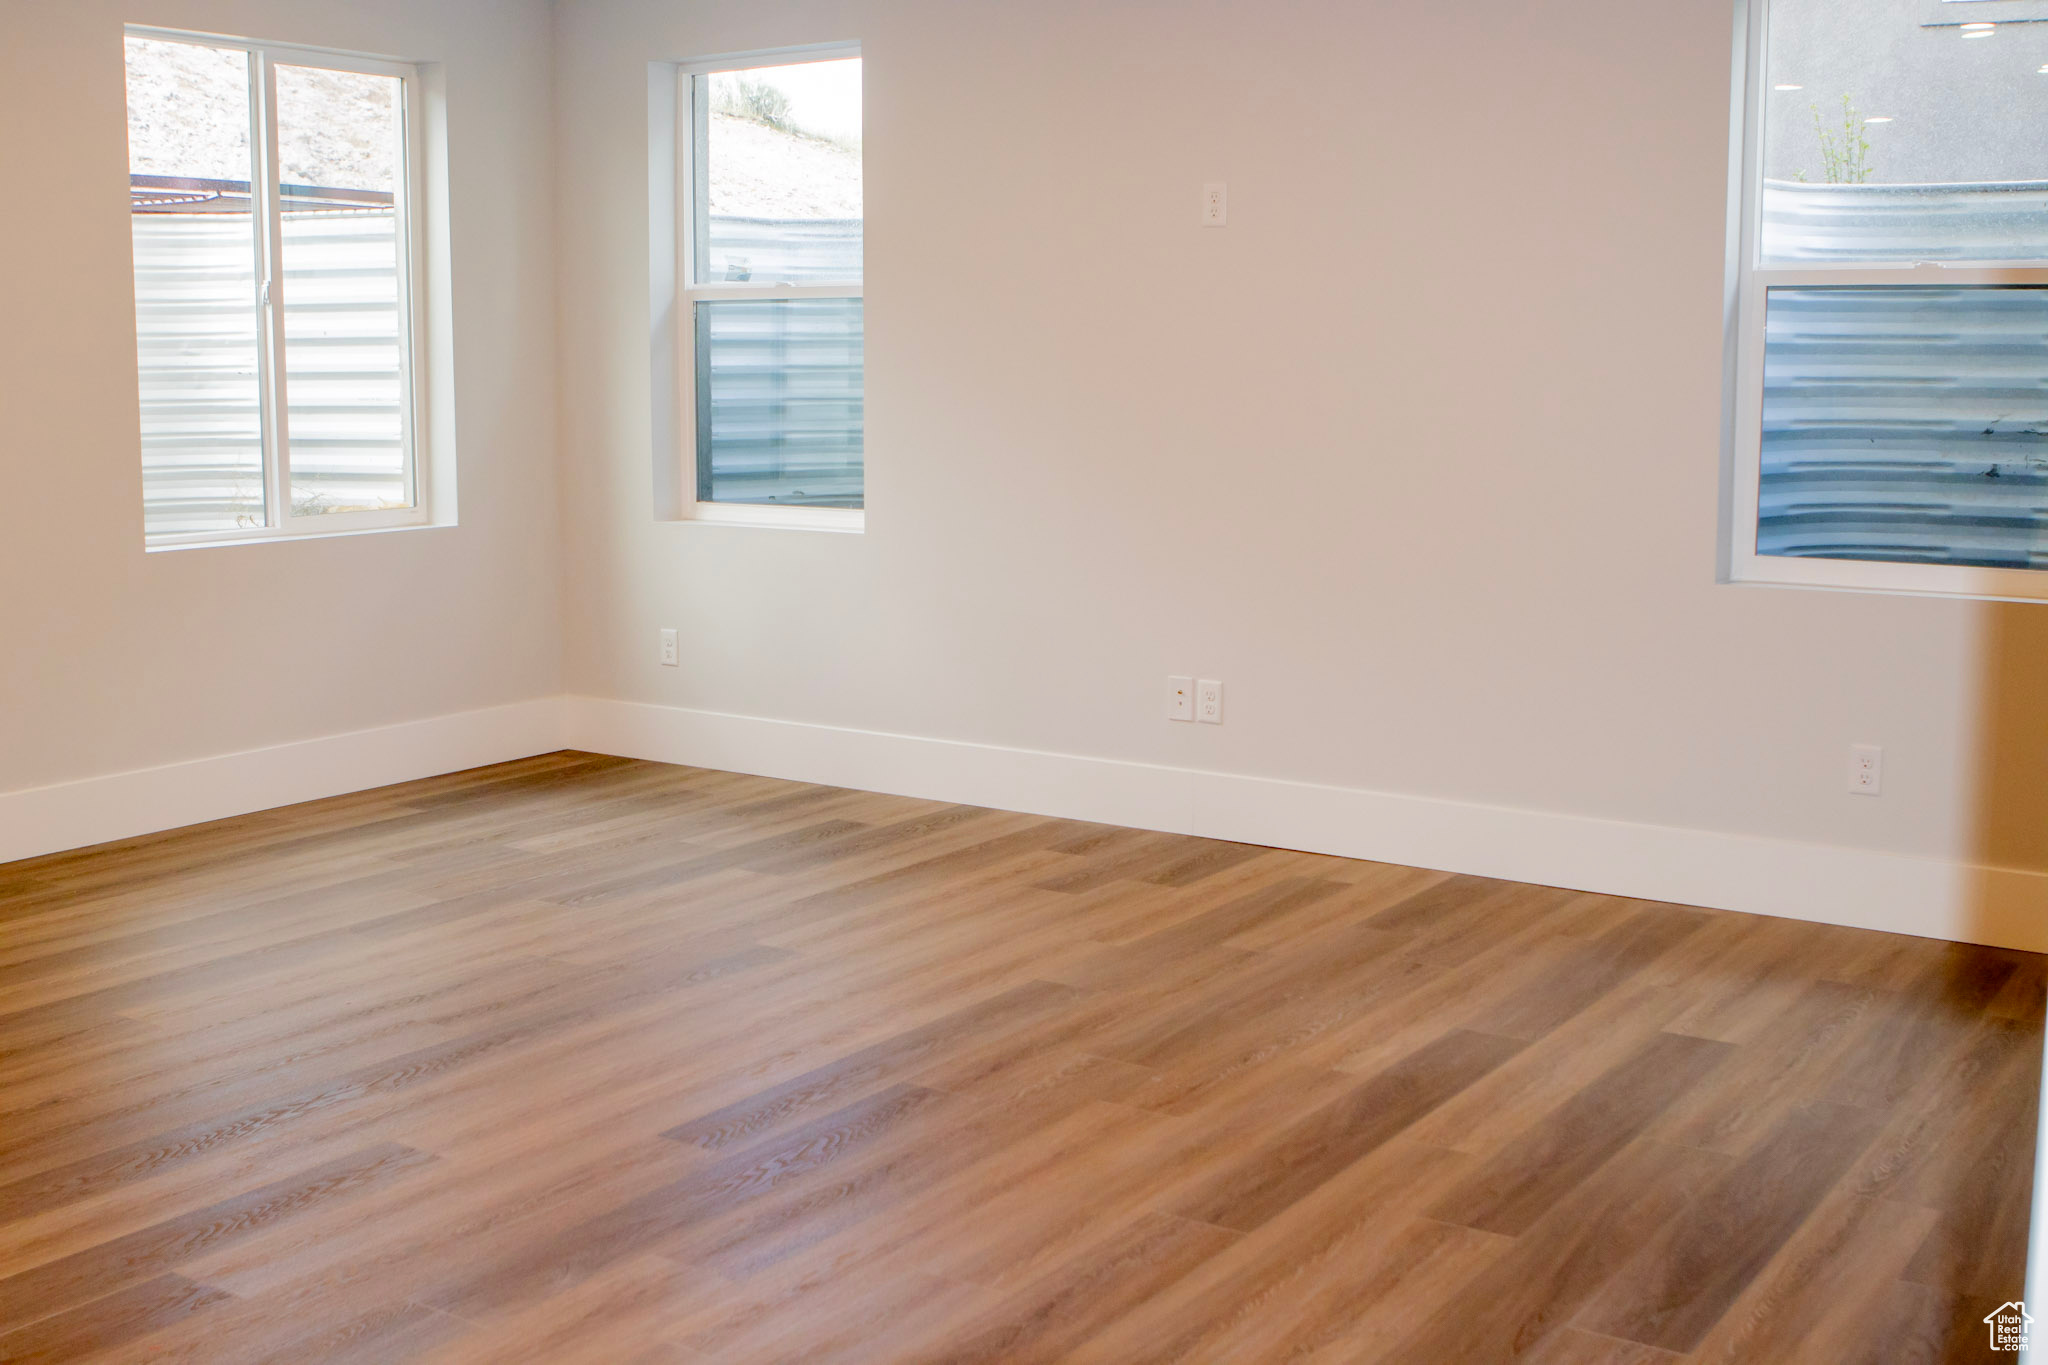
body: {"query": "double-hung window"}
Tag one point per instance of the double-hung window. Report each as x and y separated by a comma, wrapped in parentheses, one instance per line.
(1889, 281)
(770, 316)
(273, 195)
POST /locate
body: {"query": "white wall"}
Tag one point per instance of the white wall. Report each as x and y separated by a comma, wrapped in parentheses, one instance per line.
(1419, 454)
(113, 660)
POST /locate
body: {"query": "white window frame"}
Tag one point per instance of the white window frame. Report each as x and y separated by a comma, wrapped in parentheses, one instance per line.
(279, 520)
(1749, 283)
(691, 191)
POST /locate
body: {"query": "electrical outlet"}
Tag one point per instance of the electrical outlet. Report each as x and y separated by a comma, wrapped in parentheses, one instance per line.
(1866, 769)
(671, 649)
(1180, 698)
(1215, 204)
(1209, 702)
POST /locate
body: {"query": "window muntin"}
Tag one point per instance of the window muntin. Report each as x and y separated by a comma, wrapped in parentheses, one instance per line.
(1890, 421)
(272, 204)
(773, 285)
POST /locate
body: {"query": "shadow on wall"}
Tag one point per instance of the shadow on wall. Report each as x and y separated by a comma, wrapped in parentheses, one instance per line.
(1983, 1027)
(2008, 815)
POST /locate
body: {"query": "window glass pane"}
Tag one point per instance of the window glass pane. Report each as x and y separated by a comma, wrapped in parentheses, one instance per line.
(779, 401)
(341, 163)
(1902, 130)
(780, 184)
(198, 318)
(1906, 423)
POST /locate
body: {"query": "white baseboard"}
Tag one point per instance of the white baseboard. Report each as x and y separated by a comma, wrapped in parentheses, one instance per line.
(2005, 907)
(120, 805)
(1862, 888)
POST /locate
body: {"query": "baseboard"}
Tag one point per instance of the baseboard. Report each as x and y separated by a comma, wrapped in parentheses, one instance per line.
(1862, 888)
(94, 810)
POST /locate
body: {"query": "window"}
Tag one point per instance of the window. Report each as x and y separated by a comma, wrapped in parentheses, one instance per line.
(1890, 398)
(771, 315)
(271, 200)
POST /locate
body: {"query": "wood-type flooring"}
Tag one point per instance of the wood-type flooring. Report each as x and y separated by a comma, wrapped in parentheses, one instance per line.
(580, 1059)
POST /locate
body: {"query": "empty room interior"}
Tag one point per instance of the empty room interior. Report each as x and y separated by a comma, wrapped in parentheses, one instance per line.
(1398, 713)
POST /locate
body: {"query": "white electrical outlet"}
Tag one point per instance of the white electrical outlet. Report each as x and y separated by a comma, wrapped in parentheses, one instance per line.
(1209, 702)
(671, 649)
(1215, 204)
(1866, 769)
(1180, 698)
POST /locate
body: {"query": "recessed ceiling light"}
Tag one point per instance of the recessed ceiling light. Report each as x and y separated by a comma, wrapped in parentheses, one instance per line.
(2044, 71)
(1979, 30)
(1801, 87)
(1881, 118)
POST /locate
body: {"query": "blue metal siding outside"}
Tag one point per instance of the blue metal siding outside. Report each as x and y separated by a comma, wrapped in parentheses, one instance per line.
(198, 320)
(780, 405)
(1906, 423)
(1845, 224)
(197, 328)
(791, 250)
(344, 365)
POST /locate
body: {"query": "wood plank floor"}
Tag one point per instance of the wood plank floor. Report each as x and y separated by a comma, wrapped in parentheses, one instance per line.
(585, 1060)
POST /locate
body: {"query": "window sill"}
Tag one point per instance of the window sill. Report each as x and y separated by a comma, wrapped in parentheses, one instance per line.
(773, 517)
(271, 535)
(1862, 575)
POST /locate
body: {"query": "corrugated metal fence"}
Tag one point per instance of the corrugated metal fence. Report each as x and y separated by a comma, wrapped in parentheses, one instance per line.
(1850, 223)
(792, 250)
(1906, 422)
(1900, 423)
(785, 415)
(197, 327)
(198, 320)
